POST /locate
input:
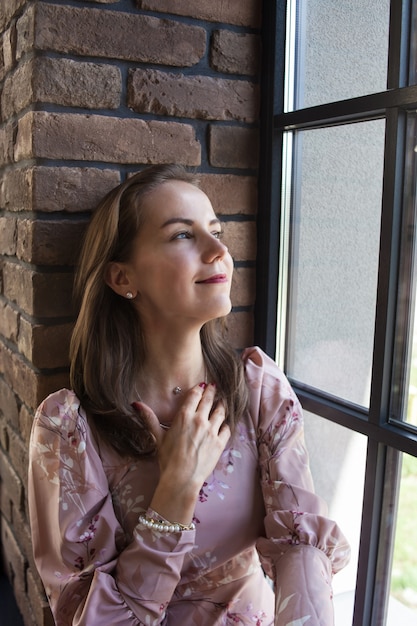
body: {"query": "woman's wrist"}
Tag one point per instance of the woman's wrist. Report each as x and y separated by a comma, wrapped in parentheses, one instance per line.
(174, 503)
(155, 521)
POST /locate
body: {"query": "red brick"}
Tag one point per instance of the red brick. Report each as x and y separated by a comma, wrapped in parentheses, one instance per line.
(102, 138)
(240, 237)
(11, 488)
(26, 611)
(46, 347)
(243, 287)
(8, 9)
(25, 423)
(8, 232)
(111, 34)
(49, 242)
(29, 385)
(18, 454)
(18, 375)
(25, 32)
(240, 12)
(233, 146)
(61, 81)
(6, 144)
(21, 532)
(240, 329)
(77, 84)
(50, 189)
(7, 52)
(3, 70)
(17, 91)
(71, 188)
(8, 404)
(9, 322)
(17, 285)
(14, 561)
(16, 189)
(235, 53)
(230, 194)
(37, 293)
(199, 97)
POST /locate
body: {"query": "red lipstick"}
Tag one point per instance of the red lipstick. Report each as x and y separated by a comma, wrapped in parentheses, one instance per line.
(216, 278)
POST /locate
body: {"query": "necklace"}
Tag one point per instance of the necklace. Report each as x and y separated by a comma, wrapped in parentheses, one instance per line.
(177, 390)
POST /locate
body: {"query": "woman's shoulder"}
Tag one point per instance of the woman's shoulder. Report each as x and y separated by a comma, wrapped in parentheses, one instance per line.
(59, 406)
(271, 397)
(258, 364)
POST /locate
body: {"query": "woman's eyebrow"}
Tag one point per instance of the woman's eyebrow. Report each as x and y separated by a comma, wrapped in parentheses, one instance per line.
(188, 222)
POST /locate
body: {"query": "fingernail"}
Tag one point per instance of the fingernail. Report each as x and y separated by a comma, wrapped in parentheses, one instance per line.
(213, 384)
(203, 385)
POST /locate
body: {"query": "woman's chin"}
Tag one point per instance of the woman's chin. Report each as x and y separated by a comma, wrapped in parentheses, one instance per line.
(220, 311)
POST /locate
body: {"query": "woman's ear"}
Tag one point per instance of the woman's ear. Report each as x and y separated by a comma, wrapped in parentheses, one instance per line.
(117, 278)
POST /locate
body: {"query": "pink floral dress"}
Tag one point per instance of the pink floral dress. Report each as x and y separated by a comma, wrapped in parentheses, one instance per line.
(257, 520)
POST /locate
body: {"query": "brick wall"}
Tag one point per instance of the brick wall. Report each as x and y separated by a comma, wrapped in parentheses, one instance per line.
(90, 92)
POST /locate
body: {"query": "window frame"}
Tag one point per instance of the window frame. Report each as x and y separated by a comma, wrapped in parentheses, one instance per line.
(386, 437)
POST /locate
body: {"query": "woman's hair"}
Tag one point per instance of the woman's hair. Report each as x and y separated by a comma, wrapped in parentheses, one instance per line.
(107, 347)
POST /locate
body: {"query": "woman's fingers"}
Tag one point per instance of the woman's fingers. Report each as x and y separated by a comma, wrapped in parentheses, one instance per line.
(152, 421)
(200, 399)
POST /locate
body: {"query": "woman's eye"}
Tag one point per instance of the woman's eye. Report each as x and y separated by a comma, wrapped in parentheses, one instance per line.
(185, 234)
(218, 234)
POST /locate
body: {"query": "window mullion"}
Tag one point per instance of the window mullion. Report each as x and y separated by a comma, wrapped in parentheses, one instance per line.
(370, 534)
(389, 255)
(269, 205)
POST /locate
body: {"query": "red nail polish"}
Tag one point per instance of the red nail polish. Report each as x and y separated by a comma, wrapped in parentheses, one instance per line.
(202, 385)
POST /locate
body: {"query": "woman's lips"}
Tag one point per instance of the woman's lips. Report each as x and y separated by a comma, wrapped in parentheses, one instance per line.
(217, 278)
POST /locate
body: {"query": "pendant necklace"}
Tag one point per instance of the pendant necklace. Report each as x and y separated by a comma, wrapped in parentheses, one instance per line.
(177, 389)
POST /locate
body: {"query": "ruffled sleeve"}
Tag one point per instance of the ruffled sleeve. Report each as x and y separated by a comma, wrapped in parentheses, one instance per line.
(302, 547)
(90, 576)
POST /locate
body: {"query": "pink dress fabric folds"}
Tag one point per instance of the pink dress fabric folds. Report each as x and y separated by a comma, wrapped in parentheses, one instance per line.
(257, 515)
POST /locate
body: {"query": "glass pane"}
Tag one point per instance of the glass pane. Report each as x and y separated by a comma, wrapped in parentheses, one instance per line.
(342, 49)
(411, 414)
(333, 258)
(404, 406)
(403, 598)
(337, 460)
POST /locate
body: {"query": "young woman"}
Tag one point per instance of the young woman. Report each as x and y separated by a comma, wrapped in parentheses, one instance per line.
(171, 484)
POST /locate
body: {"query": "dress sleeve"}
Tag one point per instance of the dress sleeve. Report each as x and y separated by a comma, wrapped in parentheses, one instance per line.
(302, 547)
(90, 576)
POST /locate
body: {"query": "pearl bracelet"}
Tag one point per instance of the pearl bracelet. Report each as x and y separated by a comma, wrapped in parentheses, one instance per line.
(163, 526)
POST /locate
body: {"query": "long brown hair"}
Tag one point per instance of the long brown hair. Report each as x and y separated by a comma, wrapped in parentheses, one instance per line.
(107, 347)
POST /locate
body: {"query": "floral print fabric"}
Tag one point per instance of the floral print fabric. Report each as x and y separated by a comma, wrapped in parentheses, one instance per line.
(256, 514)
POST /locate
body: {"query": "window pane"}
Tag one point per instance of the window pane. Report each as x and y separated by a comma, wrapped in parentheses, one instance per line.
(333, 259)
(337, 460)
(411, 414)
(342, 49)
(403, 598)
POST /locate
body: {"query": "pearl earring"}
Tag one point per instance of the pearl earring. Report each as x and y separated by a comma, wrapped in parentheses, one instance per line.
(129, 295)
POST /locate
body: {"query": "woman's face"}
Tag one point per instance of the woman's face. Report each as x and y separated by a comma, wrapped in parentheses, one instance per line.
(180, 269)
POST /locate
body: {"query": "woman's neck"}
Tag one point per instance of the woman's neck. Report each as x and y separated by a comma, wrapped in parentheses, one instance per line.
(172, 366)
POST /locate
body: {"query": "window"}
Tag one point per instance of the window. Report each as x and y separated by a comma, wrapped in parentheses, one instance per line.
(336, 304)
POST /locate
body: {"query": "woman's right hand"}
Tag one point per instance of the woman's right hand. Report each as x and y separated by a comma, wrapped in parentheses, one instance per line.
(188, 452)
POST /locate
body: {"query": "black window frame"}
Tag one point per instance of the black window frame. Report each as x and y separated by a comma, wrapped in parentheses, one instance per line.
(386, 437)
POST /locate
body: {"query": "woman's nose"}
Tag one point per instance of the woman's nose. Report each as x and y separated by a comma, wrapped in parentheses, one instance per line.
(216, 249)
